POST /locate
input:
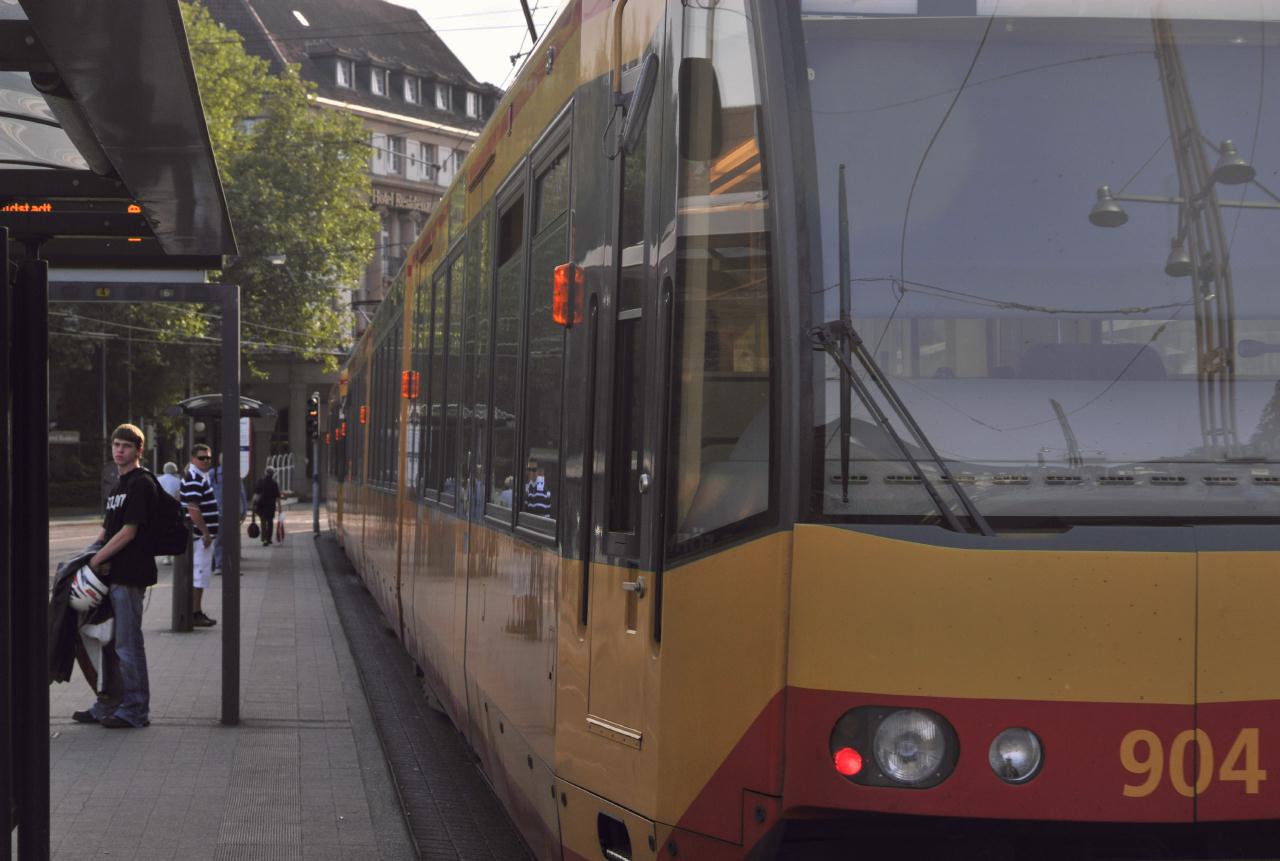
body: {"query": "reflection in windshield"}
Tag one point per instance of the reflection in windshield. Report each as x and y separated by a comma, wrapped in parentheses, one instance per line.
(1064, 254)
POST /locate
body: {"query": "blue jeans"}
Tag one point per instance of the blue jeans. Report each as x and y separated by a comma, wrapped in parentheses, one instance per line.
(217, 551)
(127, 693)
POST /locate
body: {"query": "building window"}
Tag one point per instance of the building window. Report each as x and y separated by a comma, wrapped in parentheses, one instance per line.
(473, 104)
(378, 153)
(396, 145)
(459, 156)
(413, 89)
(442, 97)
(384, 246)
(424, 163)
(378, 81)
(345, 73)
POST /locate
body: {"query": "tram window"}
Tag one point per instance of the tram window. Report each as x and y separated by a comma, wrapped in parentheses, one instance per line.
(544, 375)
(627, 439)
(415, 449)
(475, 349)
(551, 193)
(435, 421)
(722, 399)
(452, 403)
(503, 475)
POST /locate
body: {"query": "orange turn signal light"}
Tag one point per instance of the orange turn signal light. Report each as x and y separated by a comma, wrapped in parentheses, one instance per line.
(409, 381)
(567, 299)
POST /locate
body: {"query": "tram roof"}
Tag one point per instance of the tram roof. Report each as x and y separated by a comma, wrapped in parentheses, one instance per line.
(105, 154)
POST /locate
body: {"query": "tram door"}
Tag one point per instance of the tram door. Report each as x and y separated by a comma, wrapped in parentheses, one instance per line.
(623, 504)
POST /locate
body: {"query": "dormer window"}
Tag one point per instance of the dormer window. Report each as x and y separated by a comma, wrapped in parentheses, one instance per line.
(344, 73)
(443, 102)
(413, 89)
(378, 81)
(473, 104)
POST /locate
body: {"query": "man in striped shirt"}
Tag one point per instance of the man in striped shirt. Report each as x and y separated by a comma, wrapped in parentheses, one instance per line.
(202, 510)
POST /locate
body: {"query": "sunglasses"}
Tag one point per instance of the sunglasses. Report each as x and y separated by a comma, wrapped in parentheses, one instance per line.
(203, 457)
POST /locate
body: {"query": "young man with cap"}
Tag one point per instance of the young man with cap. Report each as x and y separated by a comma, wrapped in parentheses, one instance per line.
(202, 508)
(127, 565)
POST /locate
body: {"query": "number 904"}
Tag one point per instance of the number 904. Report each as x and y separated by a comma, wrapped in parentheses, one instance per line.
(1142, 753)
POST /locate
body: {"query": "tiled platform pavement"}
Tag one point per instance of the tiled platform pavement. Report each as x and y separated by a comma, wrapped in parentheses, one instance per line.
(302, 777)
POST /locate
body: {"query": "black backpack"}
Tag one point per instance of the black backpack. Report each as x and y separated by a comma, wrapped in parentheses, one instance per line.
(168, 523)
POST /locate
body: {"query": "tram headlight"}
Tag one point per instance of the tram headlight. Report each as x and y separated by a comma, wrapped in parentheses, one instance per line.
(892, 747)
(910, 746)
(1016, 755)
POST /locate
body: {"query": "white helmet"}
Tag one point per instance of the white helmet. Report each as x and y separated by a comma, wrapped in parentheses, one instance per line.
(87, 591)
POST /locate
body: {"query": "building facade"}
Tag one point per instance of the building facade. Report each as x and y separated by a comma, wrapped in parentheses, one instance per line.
(422, 112)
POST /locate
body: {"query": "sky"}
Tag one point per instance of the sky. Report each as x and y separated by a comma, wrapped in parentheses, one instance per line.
(485, 35)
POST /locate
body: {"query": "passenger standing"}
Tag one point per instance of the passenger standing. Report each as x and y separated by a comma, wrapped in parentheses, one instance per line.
(537, 496)
(266, 502)
(170, 484)
(215, 478)
(202, 509)
(127, 565)
(169, 480)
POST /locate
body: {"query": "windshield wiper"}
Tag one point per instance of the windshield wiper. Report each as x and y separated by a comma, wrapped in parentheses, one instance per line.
(838, 336)
(841, 342)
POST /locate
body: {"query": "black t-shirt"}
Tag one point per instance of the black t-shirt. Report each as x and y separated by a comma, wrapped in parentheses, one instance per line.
(267, 492)
(132, 500)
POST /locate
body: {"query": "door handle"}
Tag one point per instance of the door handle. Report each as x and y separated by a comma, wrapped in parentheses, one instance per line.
(636, 585)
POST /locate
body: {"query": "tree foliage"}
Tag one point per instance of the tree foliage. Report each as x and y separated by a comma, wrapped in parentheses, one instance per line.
(297, 184)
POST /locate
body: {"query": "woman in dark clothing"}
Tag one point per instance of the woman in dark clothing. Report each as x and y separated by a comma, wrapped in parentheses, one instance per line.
(266, 502)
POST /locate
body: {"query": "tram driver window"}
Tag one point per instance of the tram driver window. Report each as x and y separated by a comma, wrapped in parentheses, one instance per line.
(722, 401)
(540, 496)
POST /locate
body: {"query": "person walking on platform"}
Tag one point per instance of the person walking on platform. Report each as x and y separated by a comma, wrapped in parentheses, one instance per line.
(202, 509)
(169, 480)
(125, 563)
(170, 484)
(266, 502)
(215, 478)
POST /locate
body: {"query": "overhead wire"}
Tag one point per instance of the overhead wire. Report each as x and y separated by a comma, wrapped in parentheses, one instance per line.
(924, 157)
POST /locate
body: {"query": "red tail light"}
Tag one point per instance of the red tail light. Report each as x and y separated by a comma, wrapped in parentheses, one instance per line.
(364, 415)
(566, 305)
(848, 761)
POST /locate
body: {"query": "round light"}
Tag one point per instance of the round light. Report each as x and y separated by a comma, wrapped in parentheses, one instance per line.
(910, 746)
(1015, 755)
(848, 761)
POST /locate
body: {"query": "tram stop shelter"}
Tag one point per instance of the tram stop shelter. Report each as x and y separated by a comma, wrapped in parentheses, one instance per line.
(108, 172)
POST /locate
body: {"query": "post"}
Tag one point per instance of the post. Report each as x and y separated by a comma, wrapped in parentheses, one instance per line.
(315, 484)
(230, 515)
(181, 613)
(6, 548)
(30, 556)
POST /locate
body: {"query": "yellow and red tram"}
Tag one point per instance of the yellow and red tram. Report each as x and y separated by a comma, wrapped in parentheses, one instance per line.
(766, 446)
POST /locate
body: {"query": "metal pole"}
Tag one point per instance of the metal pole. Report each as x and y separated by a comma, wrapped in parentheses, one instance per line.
(30, 582)
(315, 484)
(180, 615)
(6, 568)
(230, 520)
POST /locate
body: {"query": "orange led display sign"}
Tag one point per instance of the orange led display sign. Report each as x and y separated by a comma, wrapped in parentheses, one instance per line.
(27, 208)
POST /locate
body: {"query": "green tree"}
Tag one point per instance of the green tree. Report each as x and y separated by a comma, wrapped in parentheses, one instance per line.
(297, 184)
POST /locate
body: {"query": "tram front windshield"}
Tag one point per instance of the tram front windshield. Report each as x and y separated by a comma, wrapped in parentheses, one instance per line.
(1064, 252)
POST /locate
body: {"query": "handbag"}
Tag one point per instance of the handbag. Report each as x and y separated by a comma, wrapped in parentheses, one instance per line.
(254, 529)
(280, 530)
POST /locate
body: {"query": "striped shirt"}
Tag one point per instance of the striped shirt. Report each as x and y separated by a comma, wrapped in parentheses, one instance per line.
(196, 490)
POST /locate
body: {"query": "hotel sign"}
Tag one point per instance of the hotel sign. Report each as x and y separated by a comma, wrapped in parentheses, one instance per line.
(403, 200)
